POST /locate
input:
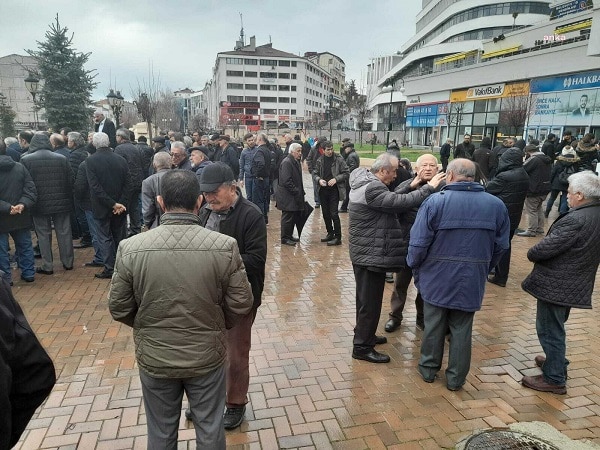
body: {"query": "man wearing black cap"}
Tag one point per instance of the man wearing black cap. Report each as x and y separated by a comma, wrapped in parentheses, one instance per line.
(227, 154)
(228, 212)
(549, 147)
(199, 159)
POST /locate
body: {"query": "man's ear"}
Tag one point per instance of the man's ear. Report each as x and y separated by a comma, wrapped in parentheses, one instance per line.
(198, 204)
(161, 202)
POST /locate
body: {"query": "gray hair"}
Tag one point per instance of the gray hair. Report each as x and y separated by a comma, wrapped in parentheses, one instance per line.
(10, 140)
(263, 137)
(587, 183)
(188, 141)
(178, 144)
(100, 140)
(57, 139)
(77, 138)
(123, 133)
(385, 161)
(463, 168)
(294, 146)
(162, 160)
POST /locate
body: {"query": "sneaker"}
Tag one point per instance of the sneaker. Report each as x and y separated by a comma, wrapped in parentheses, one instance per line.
(233, 417)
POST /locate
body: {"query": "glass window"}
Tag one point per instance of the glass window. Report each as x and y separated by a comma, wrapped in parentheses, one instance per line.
(251, 99)
(235, 86)
(293, 63)
(293, 76)
(284, 63)
(252, 110)
(268, 62)
(284, 111)
(284, 99)
(235, 110)
(293, 88)
(284, 87)
(268, 75)
(268, 87)
(235, 98)
(269, 99)
(479, 106)
(268, 111)
(252, 87)
(479, 119)
(251, 62)
(235, 73)
(293, 111)
(234, 60)
(252, 74)
(284, 75)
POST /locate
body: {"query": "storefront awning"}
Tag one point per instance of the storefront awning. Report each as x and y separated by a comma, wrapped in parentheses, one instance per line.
(504, 51)
(454, 57)
(573, 27)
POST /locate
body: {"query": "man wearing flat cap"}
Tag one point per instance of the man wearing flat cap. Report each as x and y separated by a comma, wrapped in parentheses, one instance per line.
(228, 212)
(227, 154)
(199, 159)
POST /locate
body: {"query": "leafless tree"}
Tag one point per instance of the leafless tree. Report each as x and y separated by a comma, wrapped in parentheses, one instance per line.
(454, 117)
(199, 122)
(514, 113)
(145, 97)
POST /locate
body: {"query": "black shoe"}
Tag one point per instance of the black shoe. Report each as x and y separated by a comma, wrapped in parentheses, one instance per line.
(372, 356)
(380, 340)
(67, 268)
(104, 274)
(392, 325)
(389, 277)
(317, 206)
(93, 264)
(288, 242)
(37, 255)
(420, 325)
(343, 210)
(82, 245)
(27, 279)
(334, 241)
(327, 238)
(188, 414)
(45, 272)
(233, 417)
(295, 239)
(496, 281)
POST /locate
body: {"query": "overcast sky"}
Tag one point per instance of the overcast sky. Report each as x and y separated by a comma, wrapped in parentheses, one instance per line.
(181, 38)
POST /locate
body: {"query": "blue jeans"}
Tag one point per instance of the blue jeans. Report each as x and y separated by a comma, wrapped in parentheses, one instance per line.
(23, 251)
(110, 232)
(563, 207)
(260, 194)
(550, 326)
(94, 233)
(248, 183)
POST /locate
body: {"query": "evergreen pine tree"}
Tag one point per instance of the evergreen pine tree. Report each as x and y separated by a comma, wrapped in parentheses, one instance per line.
(66, 85)
(7, 118)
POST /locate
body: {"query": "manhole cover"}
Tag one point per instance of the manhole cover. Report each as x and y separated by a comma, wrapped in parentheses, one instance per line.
(504, 440)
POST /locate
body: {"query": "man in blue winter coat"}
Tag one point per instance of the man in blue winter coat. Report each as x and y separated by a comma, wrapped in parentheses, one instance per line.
(460, 233)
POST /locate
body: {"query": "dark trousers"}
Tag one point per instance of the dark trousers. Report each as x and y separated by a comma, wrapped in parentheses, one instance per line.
(82, 224)
(133, 211)
(261, 194)
(237, 365)
(289, 219)
(248, 184)
(503, 267)
(110, 231)
(437, 321)
(369, 295)
(347, 199)
(330, 199)
(550, 326)
(563, 206)
(399, 295)
(444, 160)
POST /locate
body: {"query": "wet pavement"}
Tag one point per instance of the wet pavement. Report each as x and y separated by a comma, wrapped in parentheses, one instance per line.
(305, 389)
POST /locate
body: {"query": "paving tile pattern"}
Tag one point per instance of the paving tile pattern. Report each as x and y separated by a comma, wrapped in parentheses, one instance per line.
(305, 389)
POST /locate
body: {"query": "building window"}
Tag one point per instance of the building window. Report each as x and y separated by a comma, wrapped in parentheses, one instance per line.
(284, 75)
(252, 87)
(235, 73)
(268, 87)
(284, 87)
(252, 74)
(251, 62)
(235, 86)
(293, 76)
(293, 99)
(234, 60)
(284, 63)
(293, 112)
(284, 111)
(235, 98)
(251, 110)
(293, 88)
(294, 64)
(235, 110)
(251, 99)
(284, 99)
(269, 99)
(268, 75)
(268, 62)
(269, 111)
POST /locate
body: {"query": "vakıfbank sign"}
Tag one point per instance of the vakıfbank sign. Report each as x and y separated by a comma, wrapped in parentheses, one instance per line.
(493, 90)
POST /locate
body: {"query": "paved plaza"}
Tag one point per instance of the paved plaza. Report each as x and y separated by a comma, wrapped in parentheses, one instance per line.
(305, 389)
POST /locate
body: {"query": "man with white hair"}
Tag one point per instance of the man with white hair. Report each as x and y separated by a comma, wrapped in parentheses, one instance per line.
(151, 210)
(565, 264)
(179, 156)
(104, 125)
(110, 190)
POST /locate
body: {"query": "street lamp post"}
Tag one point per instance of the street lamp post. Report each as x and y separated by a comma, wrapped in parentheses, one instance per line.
(330, 113)
(32, 85)
(115, 101)
(391, 84)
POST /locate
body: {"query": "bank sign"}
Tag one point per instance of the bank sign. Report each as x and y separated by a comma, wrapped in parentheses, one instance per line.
(585, 80)
(492, 90)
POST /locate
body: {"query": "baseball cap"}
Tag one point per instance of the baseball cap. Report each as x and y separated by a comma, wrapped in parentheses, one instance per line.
(214, 175)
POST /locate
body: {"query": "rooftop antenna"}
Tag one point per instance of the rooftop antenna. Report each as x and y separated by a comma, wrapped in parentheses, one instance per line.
(270, 39)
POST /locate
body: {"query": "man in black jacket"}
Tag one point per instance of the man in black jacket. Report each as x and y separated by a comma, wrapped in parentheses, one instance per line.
(445, 151)
(549, 147)
(107, 126)
(53, 180)
(260, 169)
(565, 264)
(110, 187)
(17, 196)
(465, 149)
(353, 163)
(290, 194)
(539, 167)
(228, 212)
(227, 154)
(133, 156)
(77, 147)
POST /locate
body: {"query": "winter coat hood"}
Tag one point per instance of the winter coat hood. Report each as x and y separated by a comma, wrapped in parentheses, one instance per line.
(6, 163)
(510, 159)
(39, 142)
(360, 177)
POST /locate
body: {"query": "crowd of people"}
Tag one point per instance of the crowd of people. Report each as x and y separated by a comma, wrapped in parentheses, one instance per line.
(185, 200)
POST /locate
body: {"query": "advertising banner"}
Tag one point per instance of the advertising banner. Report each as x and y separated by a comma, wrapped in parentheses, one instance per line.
(565, 107)
(583, 80)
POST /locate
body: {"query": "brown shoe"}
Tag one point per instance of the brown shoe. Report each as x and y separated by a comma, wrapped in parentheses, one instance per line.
(538, 383)
(540, 360)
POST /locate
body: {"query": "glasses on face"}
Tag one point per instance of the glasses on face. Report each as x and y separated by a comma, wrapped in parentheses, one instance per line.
(177, 155)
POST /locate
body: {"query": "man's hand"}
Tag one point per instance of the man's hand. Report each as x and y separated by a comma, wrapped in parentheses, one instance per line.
(436, 180)
(118, 209)
(17, 209)
(323, 182)
(331, 182)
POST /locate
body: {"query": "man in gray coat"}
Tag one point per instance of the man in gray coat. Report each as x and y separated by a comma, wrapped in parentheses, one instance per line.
(290, 195)
(151, 210)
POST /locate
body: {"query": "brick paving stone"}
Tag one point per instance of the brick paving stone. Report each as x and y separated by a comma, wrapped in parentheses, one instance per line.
(305, 389)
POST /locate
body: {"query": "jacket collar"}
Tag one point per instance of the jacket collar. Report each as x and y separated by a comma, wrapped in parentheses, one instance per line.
(170, 218)
(464, 186)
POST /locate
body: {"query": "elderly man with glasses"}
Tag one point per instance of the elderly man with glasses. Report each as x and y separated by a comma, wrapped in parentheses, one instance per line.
(179, 156)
